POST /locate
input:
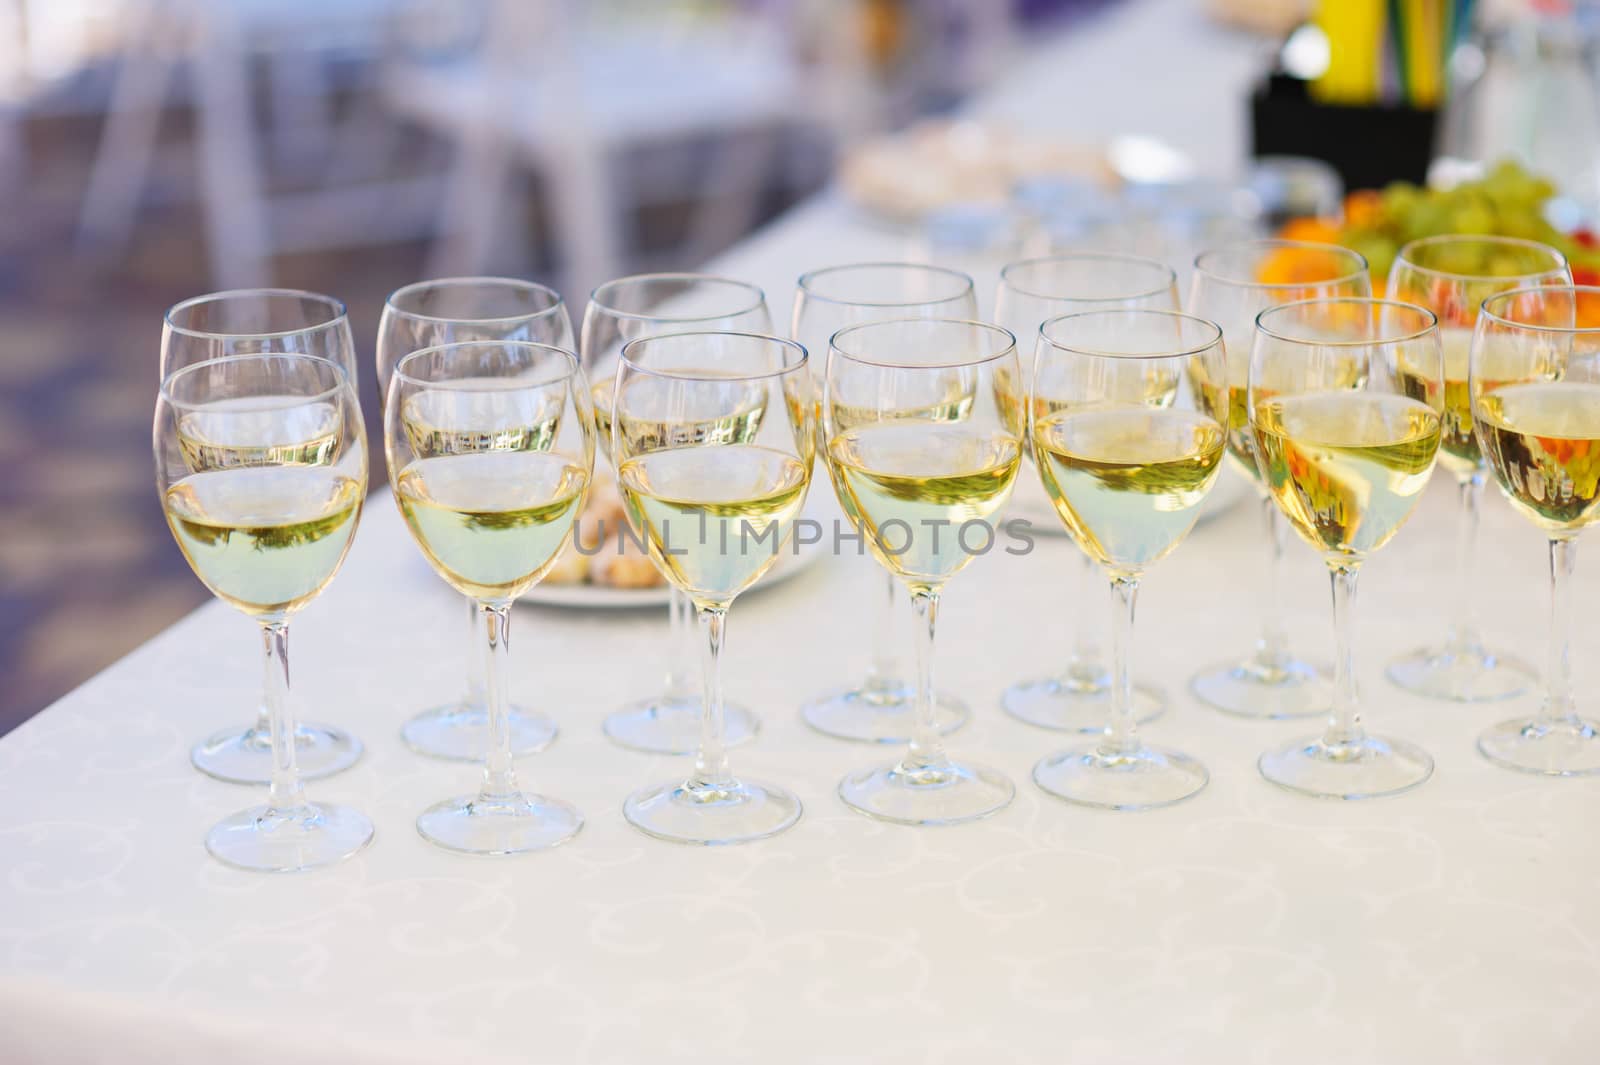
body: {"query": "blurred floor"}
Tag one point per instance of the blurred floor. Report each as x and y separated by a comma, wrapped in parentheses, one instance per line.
(87, 567)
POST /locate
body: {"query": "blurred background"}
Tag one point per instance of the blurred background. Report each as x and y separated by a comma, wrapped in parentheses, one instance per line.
(152, 150)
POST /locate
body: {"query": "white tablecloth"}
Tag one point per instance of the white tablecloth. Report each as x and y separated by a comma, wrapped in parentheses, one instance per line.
(1454, 924)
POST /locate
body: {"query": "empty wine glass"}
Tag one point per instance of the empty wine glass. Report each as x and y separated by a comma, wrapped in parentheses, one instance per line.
(618, 312)
(250, 322)
(923, 454)
(1127, 447)
(1535, 393)
(712, 436)
(261, 461)
(491, 449)
(452, 310)
(1452, 276)
(1231, 285)
(1345, 401)
(1075, 699)
(880, 708)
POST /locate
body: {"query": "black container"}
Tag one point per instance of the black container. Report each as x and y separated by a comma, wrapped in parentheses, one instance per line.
(1369, 146)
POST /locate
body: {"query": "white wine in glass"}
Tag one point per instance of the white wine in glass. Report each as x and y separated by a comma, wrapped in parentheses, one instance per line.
(446, 311)
(880, 707)
(715, 494)
(492, 515)
(1346, 443)
(1128, 468)
(222, 325)
(619, 311)
(1076, 697)
(265, 529)
(915, 474)
(1535, 395)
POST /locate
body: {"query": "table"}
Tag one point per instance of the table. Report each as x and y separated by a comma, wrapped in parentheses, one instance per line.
(1455, 923)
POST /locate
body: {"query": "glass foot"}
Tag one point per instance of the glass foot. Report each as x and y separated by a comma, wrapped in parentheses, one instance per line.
(878, 716)
(1143, 779)
(948, 794)
(521, 823)
(266, 841)
(244, 756)
(1065, 706)
(672, 726)
(1251, 689)
(461, 734)
(1565, 747)
(686, 813)
(1367, 768)
(1463, 677)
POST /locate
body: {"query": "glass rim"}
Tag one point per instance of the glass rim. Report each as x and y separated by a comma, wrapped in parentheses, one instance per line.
(1182, 352)
(1009, 348)
(1431, 321)
(1484, 310)
(1478, 238)
(807, 279)
(1285, 245)
(596, 299)
(1089, 257)
(485, 280)
(341, 379)
(340, 316)
(624, 357)
(573, 365)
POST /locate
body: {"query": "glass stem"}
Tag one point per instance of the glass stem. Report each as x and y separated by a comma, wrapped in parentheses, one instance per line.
(680, 680)
(711, 761)
(285, 796)
(499, 776)
(1344, 722)
(477, 664)
(1122, 734)
(1464, 639)
(1084, 669)
(1272, 648)
(1558, 703)
(882, 679)
(927, 750)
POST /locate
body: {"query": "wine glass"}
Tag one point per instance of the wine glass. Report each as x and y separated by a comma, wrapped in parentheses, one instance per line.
(880, 708)
(446, 311)
(1031, 292)
(1535, 392)
(1127, 448)
(620, 311)
(1346, 402)
(1231, 285)
(923, 455)
(713, 439)
(265, 524)
(247, 322)
(1452, 276)
(491, 449)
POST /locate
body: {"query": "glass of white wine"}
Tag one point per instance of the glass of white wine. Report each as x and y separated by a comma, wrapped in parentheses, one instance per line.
(222, 325)
(446, 311)
(1535, 392)
(923, 455)
(1127, 449)
(1345, 401)
(491, 448)
(1230, 286)
(714, 444)
(265, 526)
(624, 310)
(880, 708)
(1076, 698)
(1452, 276)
